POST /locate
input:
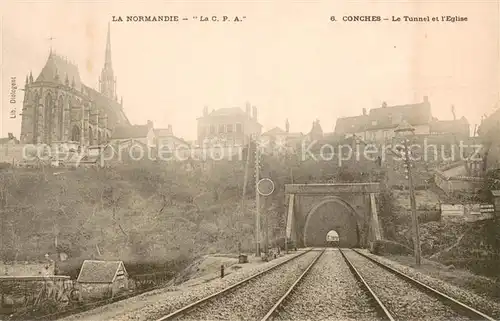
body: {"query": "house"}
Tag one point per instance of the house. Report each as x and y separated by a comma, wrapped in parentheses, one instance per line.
(228, 126)
(460, 128)
(277, 137)
(379, 124)
(9, 140)
(102, 279)
(138, 133)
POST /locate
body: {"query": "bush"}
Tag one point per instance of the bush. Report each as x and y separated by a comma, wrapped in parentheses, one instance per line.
(384, 247)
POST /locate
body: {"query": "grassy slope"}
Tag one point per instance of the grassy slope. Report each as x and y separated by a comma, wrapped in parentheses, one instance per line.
(149, 212)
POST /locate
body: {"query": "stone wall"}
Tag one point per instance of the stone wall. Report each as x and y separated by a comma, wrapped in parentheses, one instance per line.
(458, 184)
(27, 268)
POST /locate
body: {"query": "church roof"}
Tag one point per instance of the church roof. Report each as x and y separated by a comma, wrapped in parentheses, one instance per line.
(114, 110)
(60, 66)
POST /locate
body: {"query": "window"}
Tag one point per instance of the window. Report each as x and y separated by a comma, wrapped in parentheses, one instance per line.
(239, 128)
(75, 134)
(374, 123)
(229, 128)
(212, 129)
(221, 128)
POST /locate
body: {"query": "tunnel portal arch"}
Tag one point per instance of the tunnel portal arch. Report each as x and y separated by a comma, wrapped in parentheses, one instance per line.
(349, 236)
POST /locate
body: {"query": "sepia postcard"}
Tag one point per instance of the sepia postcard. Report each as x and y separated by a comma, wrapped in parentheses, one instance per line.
(250, 160)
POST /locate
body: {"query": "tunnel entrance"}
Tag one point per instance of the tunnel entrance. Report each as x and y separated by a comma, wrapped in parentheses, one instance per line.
(332, 238)
(331, 215)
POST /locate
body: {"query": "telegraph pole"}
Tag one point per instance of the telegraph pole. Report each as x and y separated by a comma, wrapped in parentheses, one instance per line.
(402, 128)
(413, 205)
(257, 201)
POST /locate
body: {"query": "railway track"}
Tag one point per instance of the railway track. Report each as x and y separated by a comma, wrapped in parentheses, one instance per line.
(194, 311)
(331, 284)
(404, 297)
(330, 290)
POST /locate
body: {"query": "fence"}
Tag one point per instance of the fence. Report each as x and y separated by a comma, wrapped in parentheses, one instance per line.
(49, 298)
(21, 294)
(468, 212)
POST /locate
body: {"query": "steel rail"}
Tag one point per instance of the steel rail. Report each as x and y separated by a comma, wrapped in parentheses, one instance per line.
(383, 311)
(280, 302)
(470, 311)
(188, 307)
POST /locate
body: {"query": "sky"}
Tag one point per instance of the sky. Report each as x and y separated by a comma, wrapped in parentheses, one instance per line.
(286, 58)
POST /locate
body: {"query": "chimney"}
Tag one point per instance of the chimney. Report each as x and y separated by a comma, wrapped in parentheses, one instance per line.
(11, 136)
(247, 108)
(254, 110)
(169, 128)
(150, 124)
(205, 111)
(426, 99)
(364, 111)
(384, 104)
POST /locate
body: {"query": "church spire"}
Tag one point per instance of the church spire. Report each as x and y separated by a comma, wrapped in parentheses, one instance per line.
(107, 80)
(107, 58)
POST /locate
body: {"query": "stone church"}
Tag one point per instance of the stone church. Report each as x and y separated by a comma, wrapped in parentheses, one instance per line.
(59, 108)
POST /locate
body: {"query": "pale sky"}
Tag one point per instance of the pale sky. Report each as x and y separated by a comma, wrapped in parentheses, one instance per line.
(286, 58)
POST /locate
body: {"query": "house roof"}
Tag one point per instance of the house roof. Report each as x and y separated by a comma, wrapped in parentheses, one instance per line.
(492, 122)
(60, 66)
(351, 124)
(6, 140)
(274, 131)
(227, 111)
(386, 117)
(160, 132)
(448, 126)
(132, 131)
(390, 117)
(99, 271)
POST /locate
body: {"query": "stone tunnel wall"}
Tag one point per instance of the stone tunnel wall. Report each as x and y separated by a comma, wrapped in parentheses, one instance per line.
(360, 203)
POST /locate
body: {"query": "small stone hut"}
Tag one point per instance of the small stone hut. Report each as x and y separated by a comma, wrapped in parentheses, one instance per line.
(102, 279)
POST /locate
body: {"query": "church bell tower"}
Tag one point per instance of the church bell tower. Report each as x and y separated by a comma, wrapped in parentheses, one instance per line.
(107, 81)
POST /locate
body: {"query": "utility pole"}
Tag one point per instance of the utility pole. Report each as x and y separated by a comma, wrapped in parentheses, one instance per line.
(245, 182)
(257, 201)
(402, 128)
(413, 205)
(267, 224)
(2, 213)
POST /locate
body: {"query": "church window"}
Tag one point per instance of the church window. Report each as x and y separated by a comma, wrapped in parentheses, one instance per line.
(48, 119)
(91, 136)
(36, 110)
(239, 128)
(60, 121)
(75, 134)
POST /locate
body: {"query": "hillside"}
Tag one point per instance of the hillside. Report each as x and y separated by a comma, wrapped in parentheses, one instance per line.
(147, 212)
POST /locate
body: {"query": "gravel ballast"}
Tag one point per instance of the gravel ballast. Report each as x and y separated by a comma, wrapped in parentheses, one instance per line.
(329, 291)
(155, 304)
(482, 304)
(252, 300)
(404, 301)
